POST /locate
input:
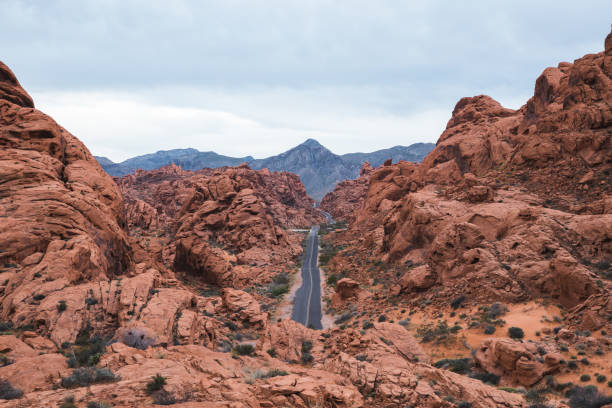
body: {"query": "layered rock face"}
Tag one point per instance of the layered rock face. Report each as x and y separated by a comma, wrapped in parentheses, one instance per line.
(510, 205)
(348, 196)
(61, 219)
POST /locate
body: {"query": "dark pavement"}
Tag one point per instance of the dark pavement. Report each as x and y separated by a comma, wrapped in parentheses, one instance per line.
(307, 302)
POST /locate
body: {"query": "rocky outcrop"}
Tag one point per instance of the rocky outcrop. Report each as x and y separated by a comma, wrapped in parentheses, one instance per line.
(227, 225)
(348, 196)
(61, 219)
(504, 208)
(518, 362)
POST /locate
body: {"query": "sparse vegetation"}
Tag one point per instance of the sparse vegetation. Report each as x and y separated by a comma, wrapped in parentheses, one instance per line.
(458, 301)
(244, 349)
(458, 365)
(85, 376)
(440, 333)
(68, 402)
(61, 306)
(587, 397)
(279, 285)
(157, 383)
(8, 392)
(97, 404)
(516, 333)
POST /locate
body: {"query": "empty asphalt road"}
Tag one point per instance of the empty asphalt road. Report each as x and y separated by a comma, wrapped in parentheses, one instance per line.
(307, 301)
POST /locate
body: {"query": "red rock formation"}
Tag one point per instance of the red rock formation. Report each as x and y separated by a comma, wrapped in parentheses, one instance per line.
(223, 222)
(60, 213)
(348, 196)
(510, 205)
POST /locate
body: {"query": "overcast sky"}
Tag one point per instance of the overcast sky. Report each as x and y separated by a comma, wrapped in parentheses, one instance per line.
(248, 77)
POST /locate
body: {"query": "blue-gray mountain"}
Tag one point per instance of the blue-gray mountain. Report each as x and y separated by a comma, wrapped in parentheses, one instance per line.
(319, 169)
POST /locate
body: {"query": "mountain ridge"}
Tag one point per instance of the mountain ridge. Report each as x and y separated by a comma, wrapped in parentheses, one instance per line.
(319, 168)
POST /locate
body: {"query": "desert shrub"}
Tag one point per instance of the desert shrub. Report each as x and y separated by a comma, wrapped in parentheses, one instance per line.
(601, 378)
(344, 318)
(361, 357)
(5, 360)
(382, 318)
(306, 346)
(97, 404)
(271, 352)
(535, 395)
(91, 301)
(279, 290)
(332, 280)
(585, 378)
(367, 325)
(458, 365)
(464, 404)
(516, 333)
(8, 392)
(404, 322)
(488, 378)
(157, 383)
(61, 306)
(6, 326)
(456, 302)
(489, 329)
(244, 349)
(84, 376)
(440, 333)
(572, 365)
(137, 338)
(307, 358)
(68, 402)
(587, 397)
(275, 372)
(163, 397)
(38, 297)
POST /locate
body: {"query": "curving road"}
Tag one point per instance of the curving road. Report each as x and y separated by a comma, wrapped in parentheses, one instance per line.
(307, 301)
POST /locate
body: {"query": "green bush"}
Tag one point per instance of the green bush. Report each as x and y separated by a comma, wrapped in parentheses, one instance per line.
(61, 306)
(279, 290)
(585, 378)
(244, 349)
(489, 329)
(587, 397)
(85, 376)
(8, 392)
(516, 333)
(163, 397)
(487, 378)
(307, 358)
(459, 365)
(157, 383)
(367, 325)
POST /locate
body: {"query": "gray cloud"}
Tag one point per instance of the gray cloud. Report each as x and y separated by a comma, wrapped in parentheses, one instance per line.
(293, 65)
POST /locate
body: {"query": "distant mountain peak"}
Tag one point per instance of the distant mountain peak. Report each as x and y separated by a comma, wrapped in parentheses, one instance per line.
(311, 143)
(319, 168)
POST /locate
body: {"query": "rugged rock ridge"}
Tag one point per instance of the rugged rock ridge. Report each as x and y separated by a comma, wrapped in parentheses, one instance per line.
(458, 205)
(348, 196)
(319, 168)
(223, 222)
(509, 206)
(61, 220)
(81, 297)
